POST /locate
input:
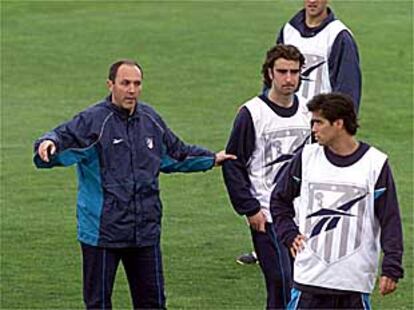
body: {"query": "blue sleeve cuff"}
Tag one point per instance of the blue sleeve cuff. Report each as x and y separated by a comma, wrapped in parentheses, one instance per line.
(190, 164)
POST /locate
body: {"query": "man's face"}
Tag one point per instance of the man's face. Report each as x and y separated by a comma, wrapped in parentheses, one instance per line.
(285, 76)
(315, 8)
(127, 87)
(324, 132)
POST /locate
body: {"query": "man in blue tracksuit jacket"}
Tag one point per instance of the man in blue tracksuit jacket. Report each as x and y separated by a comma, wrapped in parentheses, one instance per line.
(120, 146)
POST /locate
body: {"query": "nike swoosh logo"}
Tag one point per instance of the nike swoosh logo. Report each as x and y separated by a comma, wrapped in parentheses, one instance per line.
(309, 70)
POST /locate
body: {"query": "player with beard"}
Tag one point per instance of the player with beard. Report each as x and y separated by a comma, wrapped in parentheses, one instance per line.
(331, 59)
(267, 131)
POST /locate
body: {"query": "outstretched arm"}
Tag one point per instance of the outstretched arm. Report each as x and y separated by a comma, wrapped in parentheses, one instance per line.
(194, 163)
(46, 149)
(68, 143)
(222, 156)
(181, 157)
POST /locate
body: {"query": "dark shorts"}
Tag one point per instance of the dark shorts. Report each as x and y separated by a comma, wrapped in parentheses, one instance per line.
(306, 300)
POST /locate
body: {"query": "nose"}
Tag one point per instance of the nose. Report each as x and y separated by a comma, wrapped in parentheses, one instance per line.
(314, 127)
(132, 88)
(288, 76)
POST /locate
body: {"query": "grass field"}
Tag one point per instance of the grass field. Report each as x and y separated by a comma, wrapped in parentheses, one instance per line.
(201, 59)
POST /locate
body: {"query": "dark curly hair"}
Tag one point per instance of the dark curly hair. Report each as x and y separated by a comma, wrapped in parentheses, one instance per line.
(288, 52)
(334, 106)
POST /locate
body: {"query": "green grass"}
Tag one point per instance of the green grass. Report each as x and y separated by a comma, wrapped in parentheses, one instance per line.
(201, 59)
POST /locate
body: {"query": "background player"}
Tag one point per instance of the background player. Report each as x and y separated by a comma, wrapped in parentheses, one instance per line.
(332, 60)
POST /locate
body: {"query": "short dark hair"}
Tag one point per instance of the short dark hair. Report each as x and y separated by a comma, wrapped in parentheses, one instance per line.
(334, 106)
(288, 52)
(113, 69)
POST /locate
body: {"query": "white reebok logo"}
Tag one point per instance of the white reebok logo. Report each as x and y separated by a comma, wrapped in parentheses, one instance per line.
(116, 141)
(149, 142)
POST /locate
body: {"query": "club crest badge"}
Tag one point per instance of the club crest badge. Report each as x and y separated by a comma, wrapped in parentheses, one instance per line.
(335, 220)
(150, 143)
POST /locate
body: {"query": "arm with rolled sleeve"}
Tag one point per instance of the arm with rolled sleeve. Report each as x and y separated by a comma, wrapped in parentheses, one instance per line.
(388, 213)
(344, 68)
(281, 201)
(241, 143)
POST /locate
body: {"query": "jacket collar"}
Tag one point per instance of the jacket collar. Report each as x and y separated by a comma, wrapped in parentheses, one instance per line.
(298, 22)
(124, 114)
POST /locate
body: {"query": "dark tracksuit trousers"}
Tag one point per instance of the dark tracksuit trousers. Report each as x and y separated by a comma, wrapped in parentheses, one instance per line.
(275, 262)
(143, 267)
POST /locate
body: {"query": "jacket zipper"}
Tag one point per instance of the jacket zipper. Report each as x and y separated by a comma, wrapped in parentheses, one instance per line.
(133, 176)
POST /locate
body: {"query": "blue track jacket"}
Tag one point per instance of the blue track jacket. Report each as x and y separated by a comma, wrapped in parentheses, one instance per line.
(119, 157)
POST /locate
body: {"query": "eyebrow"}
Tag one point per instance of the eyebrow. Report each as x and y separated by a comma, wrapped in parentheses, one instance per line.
(286, 70)
(131, 81)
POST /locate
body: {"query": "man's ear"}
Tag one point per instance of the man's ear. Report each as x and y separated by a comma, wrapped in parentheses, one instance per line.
(109, 84)
(339, 123)
(270, 73)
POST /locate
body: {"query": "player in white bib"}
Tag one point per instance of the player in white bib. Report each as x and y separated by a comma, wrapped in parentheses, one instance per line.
(348, 212)
(332, 60)
(267, 131)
